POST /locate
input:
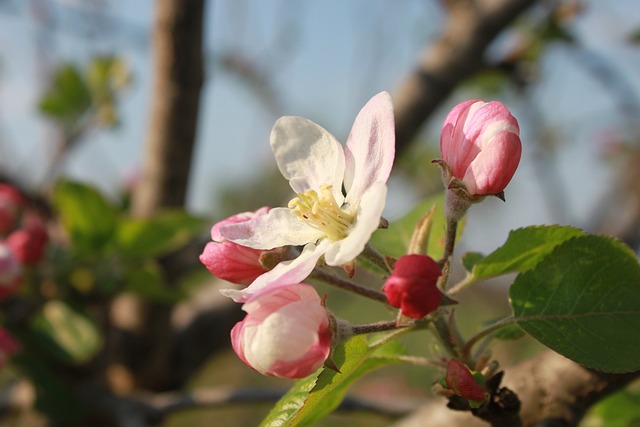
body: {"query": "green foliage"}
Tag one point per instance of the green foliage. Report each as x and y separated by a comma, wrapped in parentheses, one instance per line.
(68, 97)
(523, 250)
(583, 301)
(618, 410)
(83, 96)
(316, 396)
(156, 236)
(71, 335)
(89, 219)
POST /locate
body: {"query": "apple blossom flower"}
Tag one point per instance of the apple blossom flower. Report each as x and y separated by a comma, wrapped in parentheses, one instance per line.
(461, 381)
(412, 285)
(341, 193)
(231, 261)
(480, 144)
(10, 272)
(285, 333)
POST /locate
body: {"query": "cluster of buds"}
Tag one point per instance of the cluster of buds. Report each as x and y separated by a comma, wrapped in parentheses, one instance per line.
(23, 239)
(287, 331)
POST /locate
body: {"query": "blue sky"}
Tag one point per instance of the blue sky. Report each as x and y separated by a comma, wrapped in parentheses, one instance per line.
(324, 59)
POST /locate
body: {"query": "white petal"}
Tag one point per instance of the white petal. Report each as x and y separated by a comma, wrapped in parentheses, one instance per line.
(285, 335)
(371, 147)
(367, 221)
(276, 229)
(288, 272)
(307, 155)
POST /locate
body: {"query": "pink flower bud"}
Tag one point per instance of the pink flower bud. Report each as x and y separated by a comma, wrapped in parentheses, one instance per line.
(231, 261)
(285, 333)
(28, 243)
(460, 380)
(8, 346)
(480, 142)
(10, 272)
(412, 285)
(11, 203)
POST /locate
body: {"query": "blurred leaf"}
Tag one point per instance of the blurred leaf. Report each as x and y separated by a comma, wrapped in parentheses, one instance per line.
(394, 241)
(86, 215)
(75, 335)
(583, 301)
(470, 259)
(68, 97)
(634, 37)
(53, 397)
(523, 249)
(146, 281)
(161, 234)
(621, 409)
(511, 332)
(314, 397)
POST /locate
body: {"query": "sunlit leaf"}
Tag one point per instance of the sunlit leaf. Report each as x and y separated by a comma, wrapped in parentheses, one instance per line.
(88, 218)
(75, 336)
(158, 235)
(583, 301)
(318, 395)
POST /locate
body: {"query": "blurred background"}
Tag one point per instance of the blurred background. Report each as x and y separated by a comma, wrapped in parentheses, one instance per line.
(80, 102)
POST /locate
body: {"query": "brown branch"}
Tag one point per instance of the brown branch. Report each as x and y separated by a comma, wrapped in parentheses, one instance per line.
(456, 56)
(551, 388)
(178, 78)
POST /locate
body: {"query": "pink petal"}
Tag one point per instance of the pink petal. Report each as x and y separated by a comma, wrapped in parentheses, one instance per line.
(370, 148)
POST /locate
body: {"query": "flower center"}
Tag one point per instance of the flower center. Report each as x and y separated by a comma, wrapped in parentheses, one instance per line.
(322, 212)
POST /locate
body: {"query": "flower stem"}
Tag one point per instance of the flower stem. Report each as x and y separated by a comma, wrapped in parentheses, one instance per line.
(450, 242)
(376, 258)
(466, 350)
(377, 327)
(348, 285)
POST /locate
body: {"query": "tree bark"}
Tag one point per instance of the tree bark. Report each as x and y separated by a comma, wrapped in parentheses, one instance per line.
(455, 56)
(178, 78)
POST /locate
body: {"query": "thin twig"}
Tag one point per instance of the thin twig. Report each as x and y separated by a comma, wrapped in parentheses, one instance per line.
(348, 285)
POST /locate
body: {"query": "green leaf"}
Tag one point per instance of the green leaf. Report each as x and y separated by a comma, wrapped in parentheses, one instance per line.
(394, 241)
(523, 249)
(470, 259)
(68, 97)
(583, 301)
(314, 397)
(621, 409)
(158, 235)
(146, 280)
(73, 336)
(511, 332)
(86, 215)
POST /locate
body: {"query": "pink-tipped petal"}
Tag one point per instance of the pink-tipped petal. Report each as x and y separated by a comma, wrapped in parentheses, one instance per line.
(370, 148)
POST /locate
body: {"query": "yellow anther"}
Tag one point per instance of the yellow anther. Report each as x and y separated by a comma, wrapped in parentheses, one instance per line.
(322, 212)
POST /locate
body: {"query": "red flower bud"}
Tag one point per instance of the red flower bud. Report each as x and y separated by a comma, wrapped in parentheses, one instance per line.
(460, 380)
(11, 202)
(231, 261)
(480, 142)
(412, 285)
(28, 243)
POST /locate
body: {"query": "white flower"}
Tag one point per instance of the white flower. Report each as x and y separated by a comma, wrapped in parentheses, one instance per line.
(340, 193)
